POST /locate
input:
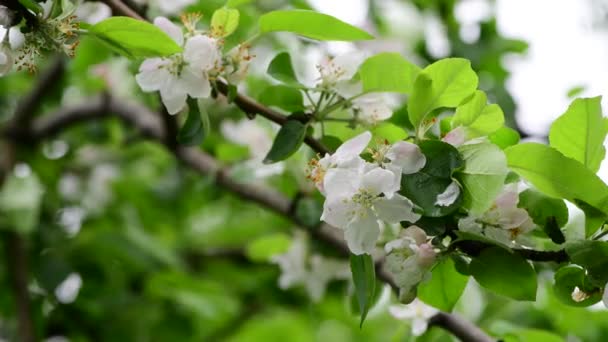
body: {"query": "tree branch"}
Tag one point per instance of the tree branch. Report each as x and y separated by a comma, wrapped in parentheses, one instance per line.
(120, 8)
(151, 126)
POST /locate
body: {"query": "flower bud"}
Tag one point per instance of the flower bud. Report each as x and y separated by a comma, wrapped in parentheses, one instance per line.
(416, 233)
(426, 255)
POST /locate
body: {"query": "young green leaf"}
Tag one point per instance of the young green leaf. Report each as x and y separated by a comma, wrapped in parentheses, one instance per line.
(594, 218)
(135, 38)
(284, 97)
(570, 277)
(287, 142)
(312, 25)
(478, 117)
(237, 3)
(505, 273)
(556, 175)
(281, 69)
(445, 83)
(445, 286)
(504, 137)
(196, 127)
(364, 278)
(580, 133)
(483, 176)
(224, 21)
(388, 72)
(263, 248)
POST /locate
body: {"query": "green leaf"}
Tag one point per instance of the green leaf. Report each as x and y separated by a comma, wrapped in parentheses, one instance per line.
(263, 248)
(364, 279)
(556, 175)
(312, 25)
(281, 69)
(237, 3)
(593, 256)
(445, 83)
(224, 21)
(505, 273)
(196, 127)
(483, 176)
(478, 117)
(388, 72)
(445, 286)
(570, 277)
(549, 213)
(287, 142)
(424, 186)
(579, 133)
(331, 142)
(594, 218)
(32, 6)
(284, 97)
(387, 131)
(504, 137)
(308, 212)
(533, 335)
(135, 38)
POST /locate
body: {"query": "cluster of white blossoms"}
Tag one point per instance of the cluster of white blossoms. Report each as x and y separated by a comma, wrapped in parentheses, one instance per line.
(336, 75)
(183, 74)
(504, 222)
(360, 194)
(22, 50)
(314, 272)
(190, 72)
(409, 259)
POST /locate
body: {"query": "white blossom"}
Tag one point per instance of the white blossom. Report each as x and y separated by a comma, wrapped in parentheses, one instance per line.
(181, 74)
(503, 222)
(354, 204)
(417, 312)
(449, 195)
(314, 272)
(68, 290)
(346, 156)
(93, 12)
(409, 259)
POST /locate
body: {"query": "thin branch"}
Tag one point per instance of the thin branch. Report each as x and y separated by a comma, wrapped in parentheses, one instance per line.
(473, 248)
(151, 126)
(250, 106)
(120, 8)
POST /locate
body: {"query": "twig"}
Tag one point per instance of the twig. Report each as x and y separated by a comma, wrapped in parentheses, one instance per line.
(120, 8)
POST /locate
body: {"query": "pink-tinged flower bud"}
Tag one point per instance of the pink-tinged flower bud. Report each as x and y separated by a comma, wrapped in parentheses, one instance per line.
(415, 233)
(426, 255)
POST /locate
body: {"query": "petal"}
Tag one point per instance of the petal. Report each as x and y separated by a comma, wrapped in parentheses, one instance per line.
(419, 326)
(507, 199)
(347, 64)
(173, 98)
(455, 137)
(401, 311)
(3, 32)
(378, 181)
(352, 147)
(449, 195)
(407, 156)
(202, 53)
(513, 218)
(341, 182)
(15, 37)
(152, 74)
(373, 109)
(395, 209)
(362, 233)
(172, 30)
(338, 211)
(196, 84)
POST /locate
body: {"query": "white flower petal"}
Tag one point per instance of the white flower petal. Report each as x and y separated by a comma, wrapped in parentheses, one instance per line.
(419, 326)
(202, 53)
(395, 209)
(378, 181)
(196, 84)
(605, 296)
(401, 311)
(338, 211)
(407, 156)
(172, 30)
(352, 148)
(173, 98)
(341, 182)
(362, 233)
(449, 195)
(152, 74)
(15, 38)
(455, 137)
